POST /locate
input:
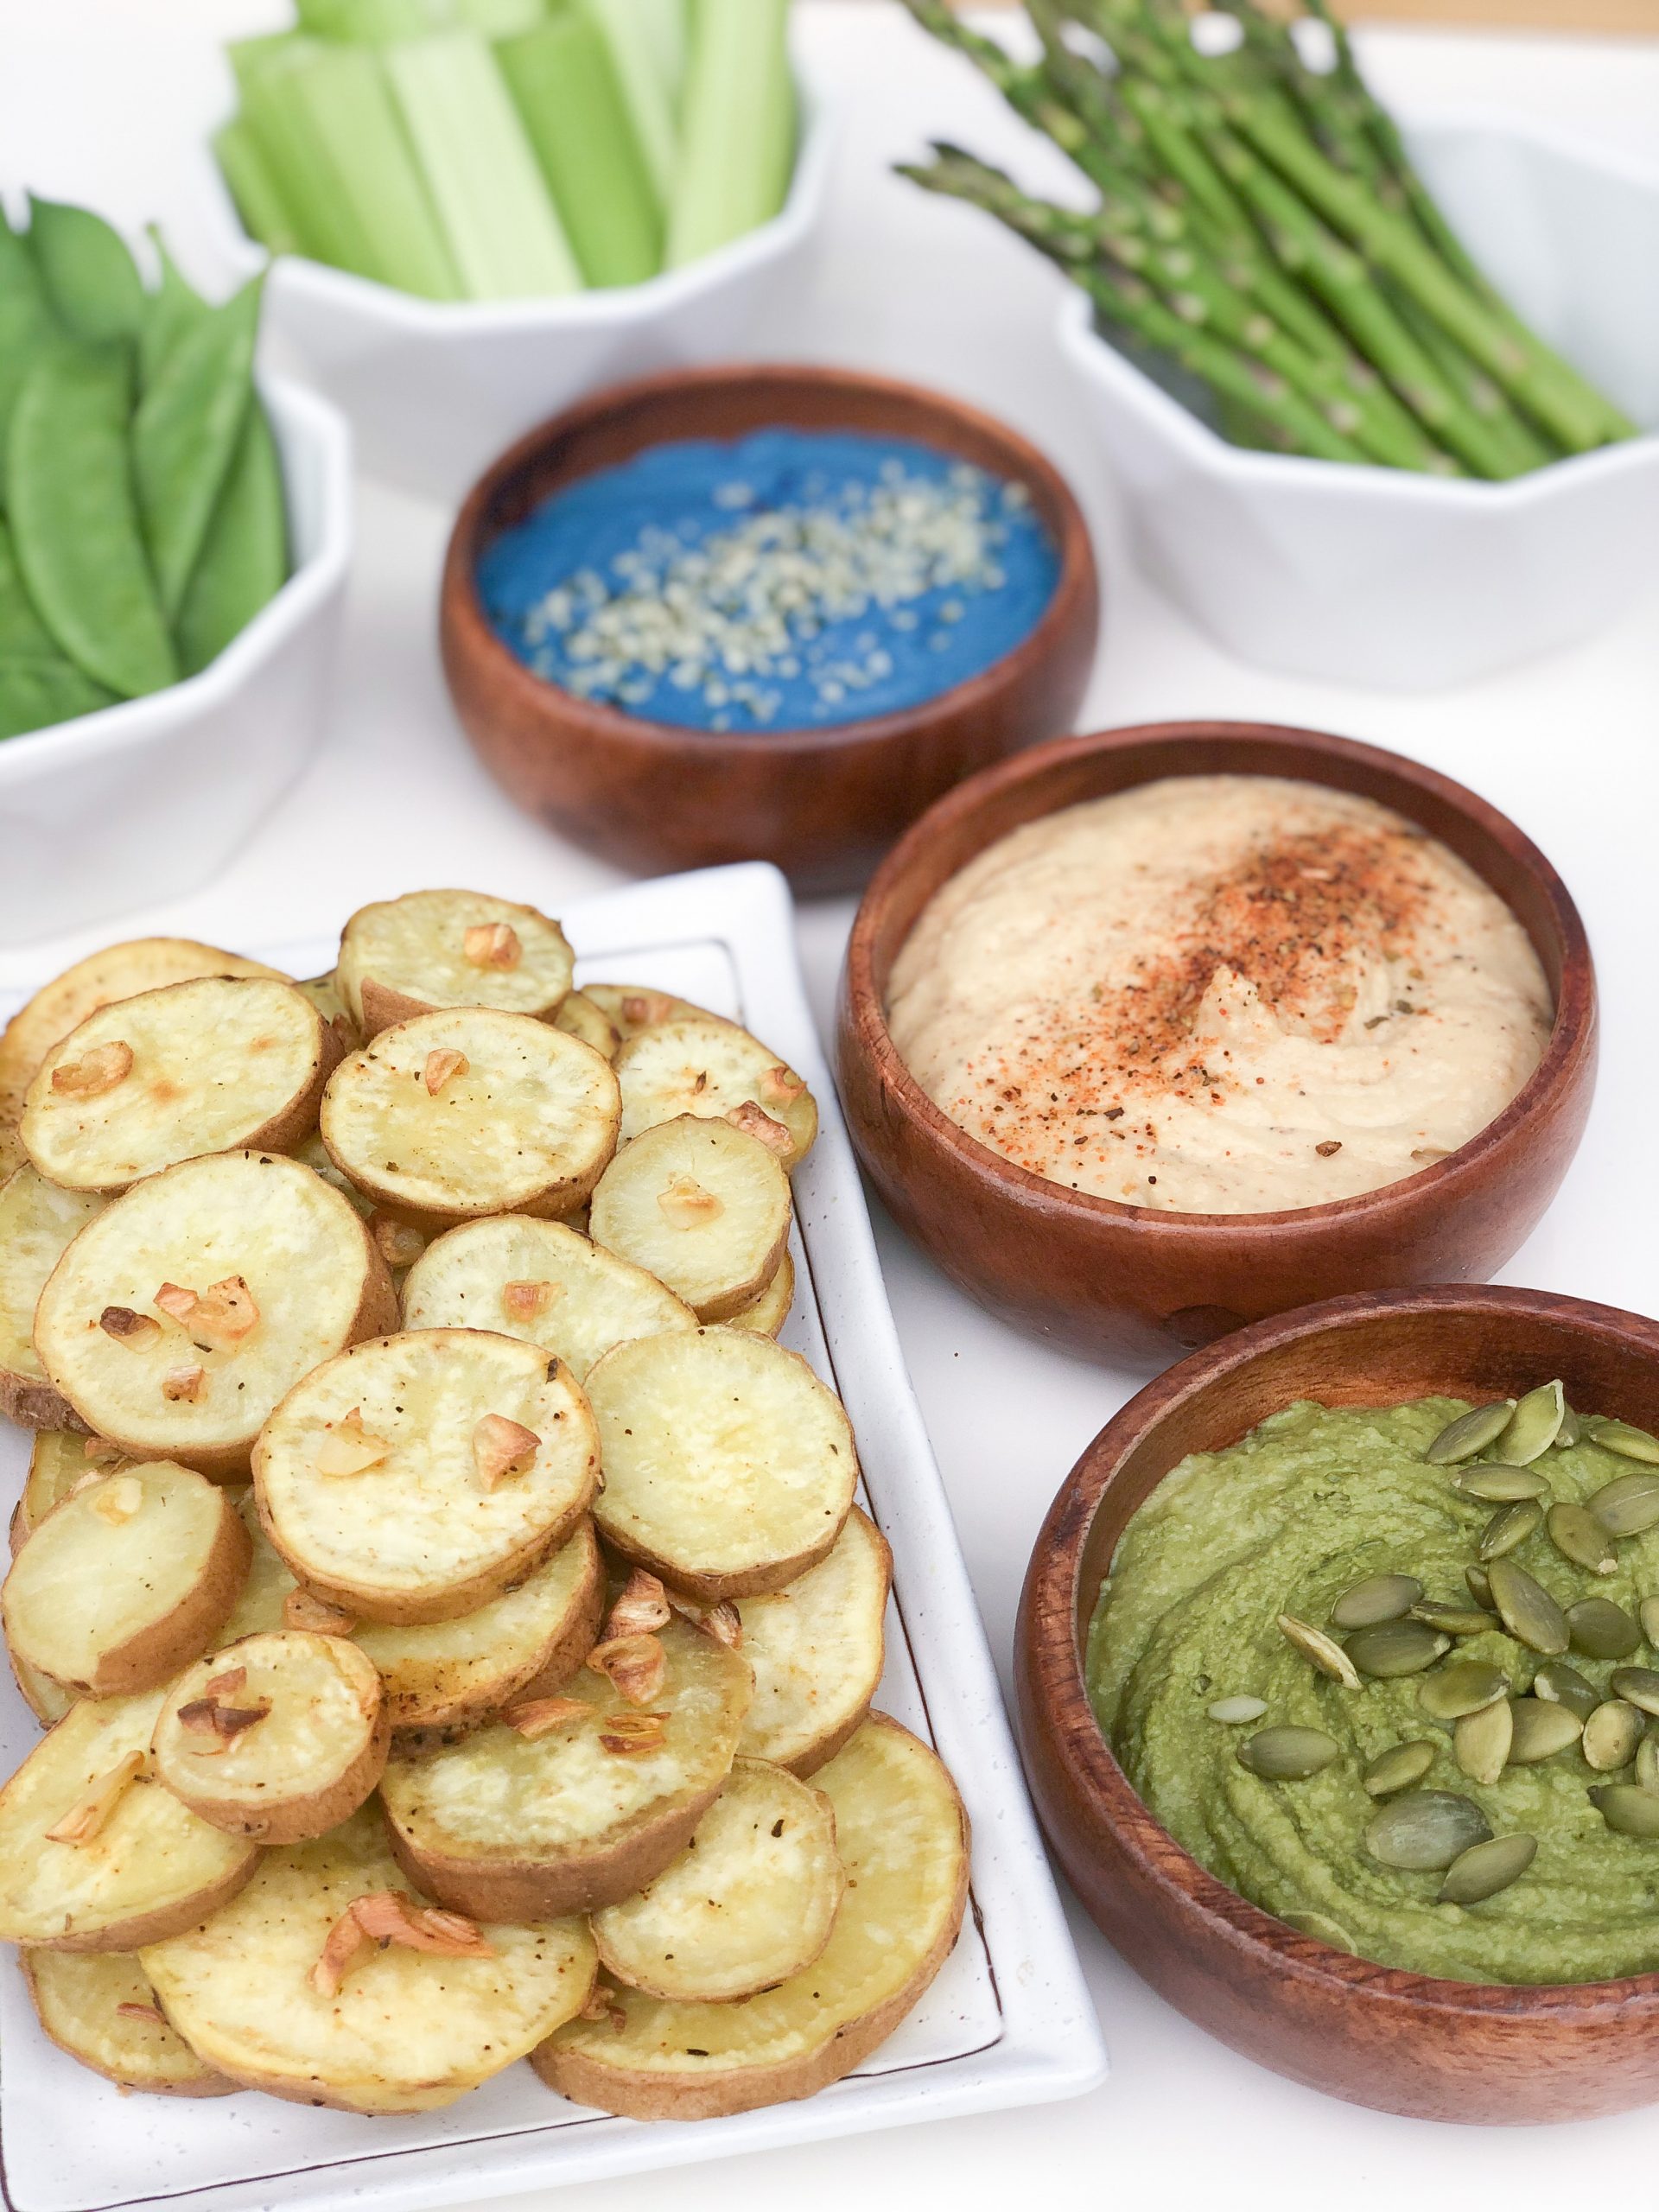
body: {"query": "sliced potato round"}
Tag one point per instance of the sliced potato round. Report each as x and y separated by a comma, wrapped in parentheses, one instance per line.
(268, 1584)
(584, 1019)
(818, 1649)
(767, 1313)
(218, 1064)
(415, 1477)
(451, 1676)
(95, 1854)
(407, 2029)
(429, 949)
(750, 1901)
(729, 1468)
(630, 1007)
(702, 1205)
(540, 1280)
(120, 971)
(38, 1223)
(131, 1578)
(576, 1801)
(312, 1152)
(718, 1071)
(99, 2007)
(902, 1836)
(280, 1736)
(194, 1377)
(61, 1458)
(468, 1112)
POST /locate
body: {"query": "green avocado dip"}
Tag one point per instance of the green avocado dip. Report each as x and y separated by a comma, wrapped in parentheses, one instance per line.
(1313, 1502)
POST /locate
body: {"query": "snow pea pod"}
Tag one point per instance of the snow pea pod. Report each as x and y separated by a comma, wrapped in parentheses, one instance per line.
(185, 432)
(74, 519)
(171, 312)
(90, 279)
(37, 689)
(22, 630)
(26, 320)
(244, 556)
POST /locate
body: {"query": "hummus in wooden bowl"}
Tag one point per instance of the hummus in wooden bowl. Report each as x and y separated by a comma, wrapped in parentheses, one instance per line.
(1146, 1034)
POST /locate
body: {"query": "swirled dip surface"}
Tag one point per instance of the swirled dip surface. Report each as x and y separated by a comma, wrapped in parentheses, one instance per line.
(1310, 1503)
(1220, 994)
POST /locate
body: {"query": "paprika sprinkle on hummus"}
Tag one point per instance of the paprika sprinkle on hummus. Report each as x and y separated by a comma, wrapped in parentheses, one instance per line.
(1220, 994)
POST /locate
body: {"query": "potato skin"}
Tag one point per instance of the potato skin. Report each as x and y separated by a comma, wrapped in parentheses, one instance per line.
(492, 1891)
(33, 1402)
(145, 1661)
(142, 1927)
(760, 1580)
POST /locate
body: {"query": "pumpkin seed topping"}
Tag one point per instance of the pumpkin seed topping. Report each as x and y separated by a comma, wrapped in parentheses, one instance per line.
(1480, 1588)
(1500, 1485)
(1611, 1736)
(1481, 1741)
(1393, 1647)
(1601, 1629)
(1534, 1426)
(1471, 1433)
(1424, 1831)
(1648, 1613)
(1509, 1528)
(1323, 1929)
(1463, 1687)
(1380, 1597)
(1578, 1536)
(1628, 1504)
(1485, 1868)
(1398, 1768)
(1453, 1619)
(1541, 1730)
(1559, 1684)
(1288, 1753)
(1618, 1436)
(1572, 1430)
(1628, 1809)
(1647, 1762)
(1527, 1610)
(1327, 1654)
(1235, 1710)
(1639, 1684)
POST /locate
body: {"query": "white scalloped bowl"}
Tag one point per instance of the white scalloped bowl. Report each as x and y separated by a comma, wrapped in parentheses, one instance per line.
(148, 799)
(1406, 582)
(435, 389)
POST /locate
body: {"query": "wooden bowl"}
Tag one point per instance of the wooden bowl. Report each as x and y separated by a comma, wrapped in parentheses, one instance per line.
(823, 804)
(1118, 1282)
(1403, 2041)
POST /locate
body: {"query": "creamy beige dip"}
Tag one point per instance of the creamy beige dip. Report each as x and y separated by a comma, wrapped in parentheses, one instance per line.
(1220, 994)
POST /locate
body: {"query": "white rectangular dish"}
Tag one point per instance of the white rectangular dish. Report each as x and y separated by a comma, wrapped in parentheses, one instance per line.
(1008, 2021)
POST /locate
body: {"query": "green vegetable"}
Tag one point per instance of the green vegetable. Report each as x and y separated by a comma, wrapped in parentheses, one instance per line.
(75, 518)
(1272, 210)
(739, 126)
(22, 631)
(565, 87)
(648, 42)
(171, 312)
(26, 320)
(90, 279)
(244, 554)
(185, 432)
(492, 208)
(39, 689)
(271, 73)
(253, 186)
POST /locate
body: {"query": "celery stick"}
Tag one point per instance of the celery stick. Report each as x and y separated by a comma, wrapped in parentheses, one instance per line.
(492, 206)
(251, 182)
(560, 76)
(351, 112)
(285, 131)
(500, 18)
(739, 126)
(647, 42)
(377, 23)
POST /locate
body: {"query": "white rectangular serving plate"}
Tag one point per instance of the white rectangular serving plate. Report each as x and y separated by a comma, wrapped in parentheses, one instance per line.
(1008, 2021)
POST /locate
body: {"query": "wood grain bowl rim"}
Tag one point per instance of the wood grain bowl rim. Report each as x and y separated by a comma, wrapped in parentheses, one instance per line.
(1049, 1667)
(1572, 1030)
(1075, 597)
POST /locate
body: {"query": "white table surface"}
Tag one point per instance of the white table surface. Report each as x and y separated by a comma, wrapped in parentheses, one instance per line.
(1568, 745)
